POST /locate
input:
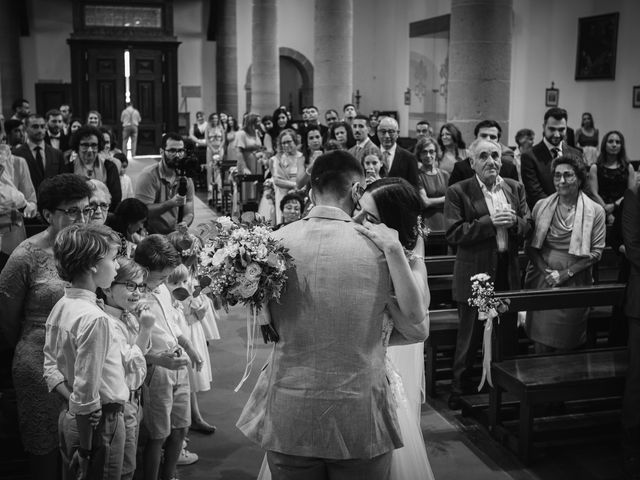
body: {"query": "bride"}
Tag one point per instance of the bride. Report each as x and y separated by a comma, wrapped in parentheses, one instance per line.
(388, 213)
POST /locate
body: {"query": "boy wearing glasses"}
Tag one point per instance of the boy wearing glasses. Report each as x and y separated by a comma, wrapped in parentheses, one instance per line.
(134, 335)
(168, 196)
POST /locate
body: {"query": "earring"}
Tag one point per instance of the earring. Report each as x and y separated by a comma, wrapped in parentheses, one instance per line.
(94, 269)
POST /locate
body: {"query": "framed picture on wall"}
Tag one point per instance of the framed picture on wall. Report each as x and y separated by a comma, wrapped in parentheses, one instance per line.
(636, 96)
(551, 97)
(597, 45)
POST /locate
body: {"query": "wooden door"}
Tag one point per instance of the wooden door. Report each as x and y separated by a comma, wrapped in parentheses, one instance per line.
(146, 86)
(105, 84)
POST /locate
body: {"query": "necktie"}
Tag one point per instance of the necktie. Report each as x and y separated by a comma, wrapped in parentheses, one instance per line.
(385, 159)
(554, 152)
(39, 158)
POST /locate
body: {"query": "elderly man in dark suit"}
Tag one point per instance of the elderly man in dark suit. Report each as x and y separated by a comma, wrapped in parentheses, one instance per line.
(487, 219)
(43, 160)
(487, 130)
(535, 163)
(400, 162)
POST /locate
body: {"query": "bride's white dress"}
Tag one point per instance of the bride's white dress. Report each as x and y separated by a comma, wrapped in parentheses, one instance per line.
(405, 371)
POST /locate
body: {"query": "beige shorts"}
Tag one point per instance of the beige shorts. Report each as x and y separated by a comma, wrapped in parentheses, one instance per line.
(166, 401)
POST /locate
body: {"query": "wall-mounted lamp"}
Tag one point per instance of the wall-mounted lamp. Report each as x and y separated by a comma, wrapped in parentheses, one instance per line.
(407, 96)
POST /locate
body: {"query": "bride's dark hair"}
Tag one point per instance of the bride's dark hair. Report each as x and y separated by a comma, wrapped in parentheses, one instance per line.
(400, 208)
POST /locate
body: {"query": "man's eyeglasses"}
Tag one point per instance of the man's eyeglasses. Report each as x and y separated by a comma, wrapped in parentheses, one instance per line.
(383, 131)
(568, 176)
(131, 286)
(485, 155)
(175, 151)
(102, 206)
(74, 213)
(332, 119)
(87, 146)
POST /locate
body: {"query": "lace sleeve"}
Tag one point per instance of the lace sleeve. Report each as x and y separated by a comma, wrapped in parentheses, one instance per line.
(14, 284)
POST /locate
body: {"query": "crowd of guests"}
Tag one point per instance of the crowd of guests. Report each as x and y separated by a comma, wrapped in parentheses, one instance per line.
(562, 199)
(97, 324)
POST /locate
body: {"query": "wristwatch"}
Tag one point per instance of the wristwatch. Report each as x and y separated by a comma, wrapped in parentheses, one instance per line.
(84, 452)
(570, 273)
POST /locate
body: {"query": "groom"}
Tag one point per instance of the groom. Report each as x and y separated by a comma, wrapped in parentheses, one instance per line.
(321, 407)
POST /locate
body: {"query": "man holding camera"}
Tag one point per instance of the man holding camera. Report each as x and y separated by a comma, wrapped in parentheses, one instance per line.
(165, 189)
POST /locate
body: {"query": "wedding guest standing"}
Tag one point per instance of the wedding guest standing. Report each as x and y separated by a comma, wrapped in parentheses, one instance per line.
(433, 182)
(83, 355)
(487, 218)
(568, 238)
(285, 167)
(611, 175)
(29, 288)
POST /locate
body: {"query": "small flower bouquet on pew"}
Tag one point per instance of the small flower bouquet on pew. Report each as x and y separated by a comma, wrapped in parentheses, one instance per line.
(489, 307)
(241, 263)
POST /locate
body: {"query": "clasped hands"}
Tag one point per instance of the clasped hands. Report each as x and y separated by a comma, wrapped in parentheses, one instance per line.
(555, 278)
(505, 218)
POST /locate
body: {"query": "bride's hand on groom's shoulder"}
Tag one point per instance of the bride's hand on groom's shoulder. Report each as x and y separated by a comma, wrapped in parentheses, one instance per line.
(385, 238)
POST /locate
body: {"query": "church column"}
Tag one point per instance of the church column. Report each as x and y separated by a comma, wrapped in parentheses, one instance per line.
(265, 61)
(10, 60)
(227, 61)
(333, 62)
(479, 64)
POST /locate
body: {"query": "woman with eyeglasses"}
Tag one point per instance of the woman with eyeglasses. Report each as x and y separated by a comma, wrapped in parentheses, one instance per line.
(284, 167)
(29, 288)
(433, 180)
(100, 201)
(86, 162)
(568, 239)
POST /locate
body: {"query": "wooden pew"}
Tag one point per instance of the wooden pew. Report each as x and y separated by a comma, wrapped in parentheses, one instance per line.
(539, 379)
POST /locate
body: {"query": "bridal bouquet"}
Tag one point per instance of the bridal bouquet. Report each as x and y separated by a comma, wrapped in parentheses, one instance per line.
(242, 261)
(489, 307)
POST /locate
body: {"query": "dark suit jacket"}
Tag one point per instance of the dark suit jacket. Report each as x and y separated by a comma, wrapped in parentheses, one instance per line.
(405, 165)
(535, 165)
(462, 170)
(631, 237)
(469, 227)
(64, 141)
(54, 161)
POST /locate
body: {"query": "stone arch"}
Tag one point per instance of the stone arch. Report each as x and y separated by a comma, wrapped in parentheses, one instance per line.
(304, 67)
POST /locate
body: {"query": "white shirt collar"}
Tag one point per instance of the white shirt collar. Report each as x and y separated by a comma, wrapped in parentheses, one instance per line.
(550, 147)
(495, 188)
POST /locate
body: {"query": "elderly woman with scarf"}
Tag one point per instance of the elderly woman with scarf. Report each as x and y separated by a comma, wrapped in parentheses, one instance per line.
(568, 238)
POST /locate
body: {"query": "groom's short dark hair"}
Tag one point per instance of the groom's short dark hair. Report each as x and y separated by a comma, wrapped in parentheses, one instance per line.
(333, 171)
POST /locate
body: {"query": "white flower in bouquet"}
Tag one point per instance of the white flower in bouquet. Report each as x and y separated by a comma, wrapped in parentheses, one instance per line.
(253, 271)
(226, 223)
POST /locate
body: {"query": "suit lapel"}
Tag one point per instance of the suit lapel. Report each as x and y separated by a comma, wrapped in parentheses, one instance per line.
(508, 193)
(542, 153)
(478, 202)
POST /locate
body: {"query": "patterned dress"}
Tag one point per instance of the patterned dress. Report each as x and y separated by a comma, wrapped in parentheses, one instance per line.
(29, 288)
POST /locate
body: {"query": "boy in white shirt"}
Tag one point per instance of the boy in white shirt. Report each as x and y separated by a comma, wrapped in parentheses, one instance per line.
(166, 390)
(81, 354)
